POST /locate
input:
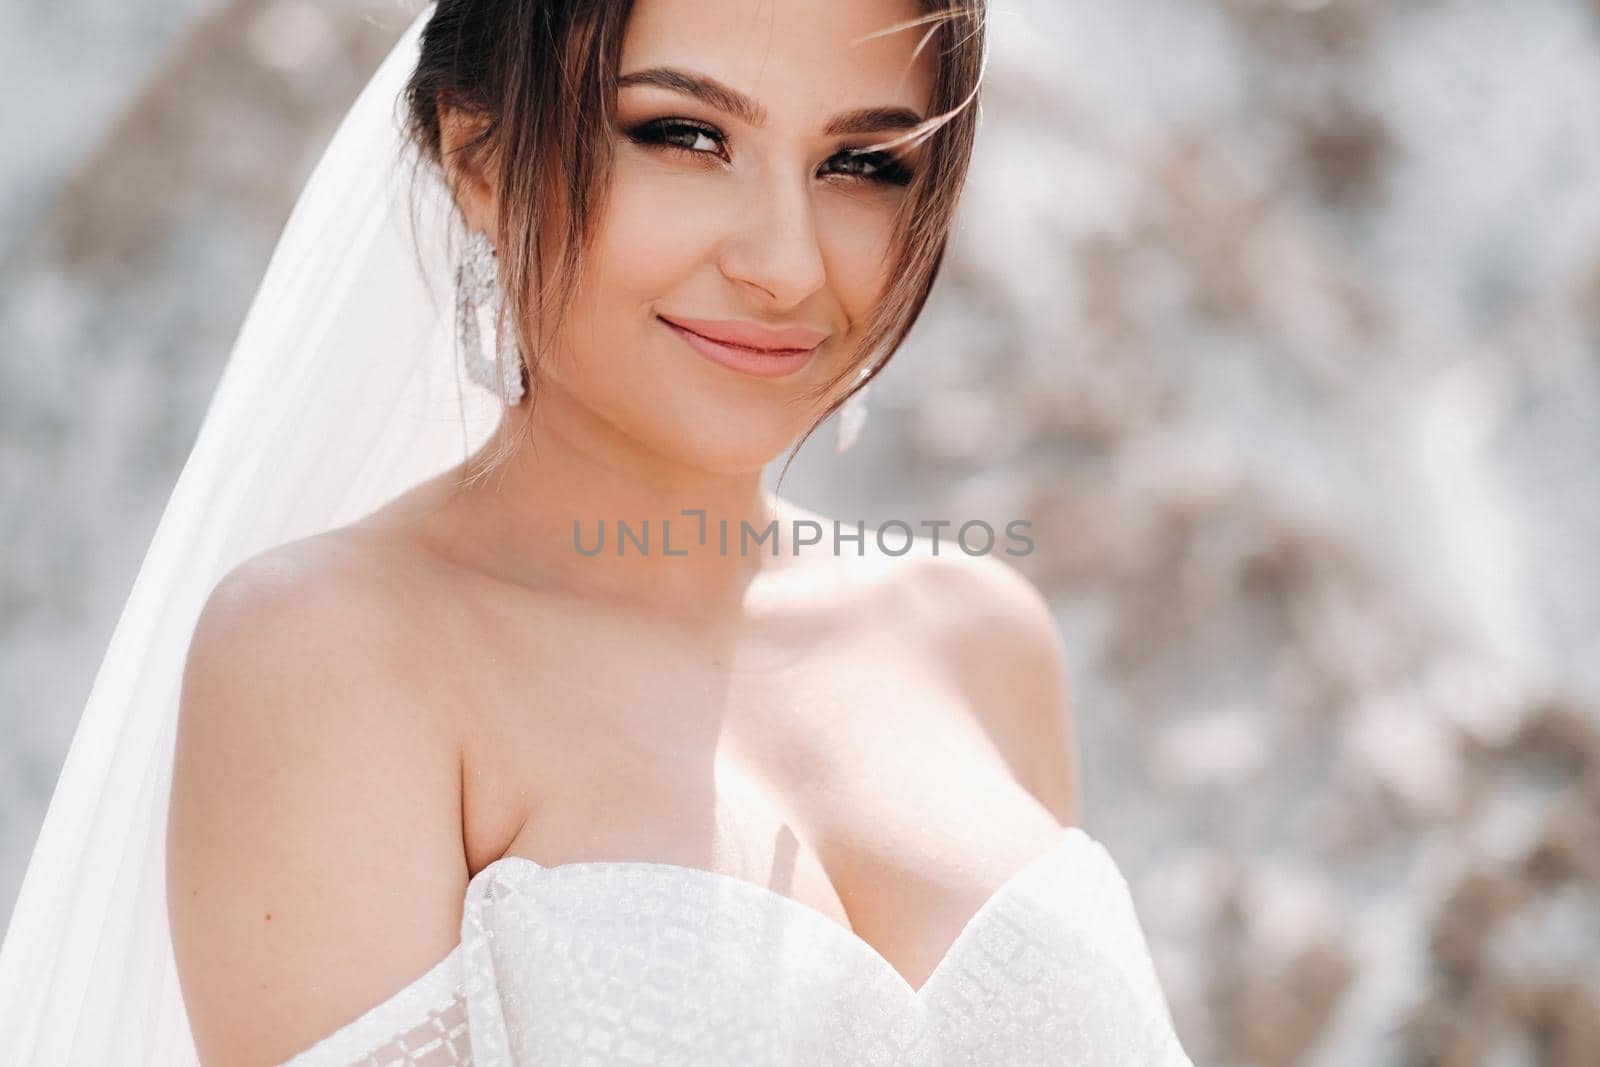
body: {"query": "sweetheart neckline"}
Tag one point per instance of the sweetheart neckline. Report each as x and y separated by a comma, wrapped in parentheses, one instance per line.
(1070, 836)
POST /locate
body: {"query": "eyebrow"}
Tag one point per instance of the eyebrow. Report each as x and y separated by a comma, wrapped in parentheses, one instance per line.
(713, 93)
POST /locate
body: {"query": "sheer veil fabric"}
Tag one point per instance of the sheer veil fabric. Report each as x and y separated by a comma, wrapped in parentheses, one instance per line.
(341, 391)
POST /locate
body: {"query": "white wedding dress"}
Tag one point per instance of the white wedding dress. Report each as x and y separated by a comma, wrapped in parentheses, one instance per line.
(623, 962)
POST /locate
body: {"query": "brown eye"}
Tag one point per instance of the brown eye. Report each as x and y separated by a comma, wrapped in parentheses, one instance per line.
(882, 167)
(678, 135)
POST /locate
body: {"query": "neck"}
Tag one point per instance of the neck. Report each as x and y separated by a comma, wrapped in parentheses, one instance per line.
(553, 510)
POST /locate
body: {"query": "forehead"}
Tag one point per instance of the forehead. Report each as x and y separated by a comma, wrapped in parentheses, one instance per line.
(802, 59)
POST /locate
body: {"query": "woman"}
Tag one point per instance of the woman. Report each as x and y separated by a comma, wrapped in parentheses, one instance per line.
(447, 784)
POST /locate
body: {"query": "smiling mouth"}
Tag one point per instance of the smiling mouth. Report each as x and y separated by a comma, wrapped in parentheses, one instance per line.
(757, 362)
(772, 352)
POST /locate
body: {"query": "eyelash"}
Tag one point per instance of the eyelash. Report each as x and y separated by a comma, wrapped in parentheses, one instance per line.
(889, 169)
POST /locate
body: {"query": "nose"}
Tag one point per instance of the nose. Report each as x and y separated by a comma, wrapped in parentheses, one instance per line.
(775, 247)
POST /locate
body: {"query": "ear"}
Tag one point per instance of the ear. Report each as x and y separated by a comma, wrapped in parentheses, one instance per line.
(466, 168)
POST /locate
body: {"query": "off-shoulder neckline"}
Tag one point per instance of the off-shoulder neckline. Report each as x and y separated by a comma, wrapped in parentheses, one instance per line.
(1070, 838)
(442, 982)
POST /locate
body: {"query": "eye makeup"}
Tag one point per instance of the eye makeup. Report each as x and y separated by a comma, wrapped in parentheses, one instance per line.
(689, 137)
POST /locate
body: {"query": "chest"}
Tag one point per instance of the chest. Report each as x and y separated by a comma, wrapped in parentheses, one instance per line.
(849, 775)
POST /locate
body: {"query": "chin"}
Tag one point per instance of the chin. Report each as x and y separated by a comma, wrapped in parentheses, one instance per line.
(730, 454)
(722, 431)
(730, 446)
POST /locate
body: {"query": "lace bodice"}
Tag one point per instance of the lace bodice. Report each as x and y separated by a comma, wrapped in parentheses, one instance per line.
(624, 962)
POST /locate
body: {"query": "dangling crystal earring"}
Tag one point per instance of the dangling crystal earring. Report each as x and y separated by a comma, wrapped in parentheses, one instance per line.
(852, 417)
(478, 287)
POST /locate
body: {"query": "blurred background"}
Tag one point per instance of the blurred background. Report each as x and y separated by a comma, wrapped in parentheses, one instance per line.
(1280, 319)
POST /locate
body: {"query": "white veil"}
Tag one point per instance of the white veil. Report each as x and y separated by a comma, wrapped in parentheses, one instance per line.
(341, 391)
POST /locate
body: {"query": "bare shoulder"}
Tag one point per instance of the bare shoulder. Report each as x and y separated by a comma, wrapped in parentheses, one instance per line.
(343, 609)
(997, 634)
(314, 860)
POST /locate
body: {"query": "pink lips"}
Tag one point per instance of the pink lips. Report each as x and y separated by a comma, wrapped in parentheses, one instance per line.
(756, 350)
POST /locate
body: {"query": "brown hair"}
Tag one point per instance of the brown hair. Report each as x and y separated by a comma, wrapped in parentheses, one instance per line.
(538, 78)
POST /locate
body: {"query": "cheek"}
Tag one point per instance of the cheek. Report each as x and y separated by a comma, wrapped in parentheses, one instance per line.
(646, 237)
(661, 215)
(857, 235)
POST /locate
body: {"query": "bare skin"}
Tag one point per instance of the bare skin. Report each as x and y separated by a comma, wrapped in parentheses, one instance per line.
(852, 734)
(373, 715)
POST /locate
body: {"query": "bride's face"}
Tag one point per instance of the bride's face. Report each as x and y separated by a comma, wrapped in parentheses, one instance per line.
(735, 205)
